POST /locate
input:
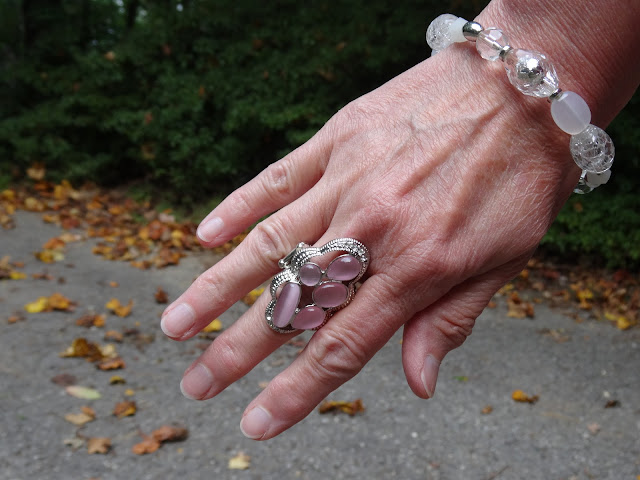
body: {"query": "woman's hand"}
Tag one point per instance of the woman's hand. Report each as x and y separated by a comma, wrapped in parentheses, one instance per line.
(447, 174)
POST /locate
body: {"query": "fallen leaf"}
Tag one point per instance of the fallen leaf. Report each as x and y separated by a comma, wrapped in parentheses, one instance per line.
(251, 297)
(517, 308)
(113, 335)
(83, 392)
(81, 347)
(113, 284)
(214, 326)
(91, 320)
(16, 317)
(240, 462)
(168, 433)
(37, 306)
(125, 409)
(148, 445)
(79, 419)
(74, 442)
(120, 310)
(116, 380)
(99, 445)
(350, 408)
(612, 404)
(487, 410)
(520, 396)
(64, 379)
(50, 256)
(115, 363)
(161, 296)
(36, 171)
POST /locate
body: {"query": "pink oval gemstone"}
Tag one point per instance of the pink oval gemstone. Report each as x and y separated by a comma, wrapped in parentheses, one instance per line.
(330, 294)
(344, 268)
(286, 304)
(308, 318)
(310, 274)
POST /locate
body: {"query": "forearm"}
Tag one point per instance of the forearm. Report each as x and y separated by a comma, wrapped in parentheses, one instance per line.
(593, 45)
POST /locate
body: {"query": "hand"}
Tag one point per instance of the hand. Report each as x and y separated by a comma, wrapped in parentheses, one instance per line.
(450, 186)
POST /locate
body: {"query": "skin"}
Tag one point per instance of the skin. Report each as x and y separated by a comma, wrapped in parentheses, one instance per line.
(447, 173)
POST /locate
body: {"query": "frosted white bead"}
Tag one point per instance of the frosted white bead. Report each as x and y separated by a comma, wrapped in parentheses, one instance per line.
(490, 42)
(455, 30)
(592, 149)
(531, 72)
(596, 179)
(570, 112)
(438, 32)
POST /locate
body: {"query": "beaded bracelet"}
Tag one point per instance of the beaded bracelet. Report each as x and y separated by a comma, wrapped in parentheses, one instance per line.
(533, 74)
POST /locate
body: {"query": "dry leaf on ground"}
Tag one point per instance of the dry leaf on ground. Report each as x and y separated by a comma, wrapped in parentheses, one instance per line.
(125, 409)
(214, 326)
(168, 433)
(99, 445)
(91, 320)
(120, 310)
(161, 296)
(86, 393)
(251, 297)
(81, 347)
(240, 462)
(148, 445)
(520, 396)
(350, 408)
(87, 415)
(114, 363)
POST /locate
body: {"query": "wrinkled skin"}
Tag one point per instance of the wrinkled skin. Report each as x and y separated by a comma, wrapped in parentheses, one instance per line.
(450, 177)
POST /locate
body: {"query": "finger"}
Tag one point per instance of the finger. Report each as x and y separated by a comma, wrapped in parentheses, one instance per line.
(249, 265)
(444, 326)
(233, 353)
(334, 354)
(278, 185)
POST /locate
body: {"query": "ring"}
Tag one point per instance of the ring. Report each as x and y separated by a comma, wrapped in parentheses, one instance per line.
(310, 295)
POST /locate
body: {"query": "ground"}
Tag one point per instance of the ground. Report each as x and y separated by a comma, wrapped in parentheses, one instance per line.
(585, 423)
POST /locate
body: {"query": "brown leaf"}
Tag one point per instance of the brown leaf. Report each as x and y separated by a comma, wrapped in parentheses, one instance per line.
(120, 310)
(125, 409)
(81, 418)
(148, 445)
(350, 408)
(91, 320)
(113, 336)
(80, 347)
(168, 433)
(64, 379)
(612, 404)
(520, 396)
(99, 445)
(115, 363)
(487, 410)
(161, 296)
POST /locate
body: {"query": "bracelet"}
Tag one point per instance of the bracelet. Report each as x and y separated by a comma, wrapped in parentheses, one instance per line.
(533, 74)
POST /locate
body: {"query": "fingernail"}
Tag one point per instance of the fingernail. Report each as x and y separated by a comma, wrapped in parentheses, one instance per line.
(178, 321)
(197, 382)
(210, 229)
(255, 423)
(429, 374)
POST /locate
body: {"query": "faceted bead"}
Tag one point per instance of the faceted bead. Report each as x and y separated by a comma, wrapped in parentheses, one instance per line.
(592, 149)
(308, 318)
(596, 179)
(310, 274)
(438, 32)
(344, 268)
(286, 304)
(570, 112)
(582, 186)
(330, 294)
(489, 43)
(531, 72)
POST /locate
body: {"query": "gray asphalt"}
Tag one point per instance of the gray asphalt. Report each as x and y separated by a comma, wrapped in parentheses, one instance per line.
(567, 434)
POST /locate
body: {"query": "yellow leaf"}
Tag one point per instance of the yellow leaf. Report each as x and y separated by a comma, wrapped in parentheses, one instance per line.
(251, 297)
(116, 379)
(129, 392)
(214, 326)
(83, 392)
(240, 462)
(50, 256)
(38, 306)
(15, 275)
(350, 408)
(520, 396)
(120, 310)
(125, 409)
(623, 323)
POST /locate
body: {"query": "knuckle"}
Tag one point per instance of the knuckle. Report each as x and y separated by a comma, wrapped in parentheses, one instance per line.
(269, 241)
(242, 202)
(207, 286)
(456, 328)
(277, 180)
(227, 358)
(336, 356)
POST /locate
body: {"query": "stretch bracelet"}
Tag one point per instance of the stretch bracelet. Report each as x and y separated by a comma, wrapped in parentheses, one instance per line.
(533, 74)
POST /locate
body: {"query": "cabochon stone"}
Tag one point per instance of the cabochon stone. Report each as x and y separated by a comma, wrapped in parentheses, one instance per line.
(286, 304)
(344, 268)
(330, 294)
(308, 318)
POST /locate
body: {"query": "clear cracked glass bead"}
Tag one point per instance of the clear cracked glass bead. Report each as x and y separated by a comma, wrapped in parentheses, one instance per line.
(438, 36)
(592, 149)
(582, 186)
(490, 42)
(531, 72)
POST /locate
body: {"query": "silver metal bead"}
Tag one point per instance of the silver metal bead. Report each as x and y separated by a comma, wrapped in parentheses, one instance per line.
(506, 49)
(554, 95)
(470, 30)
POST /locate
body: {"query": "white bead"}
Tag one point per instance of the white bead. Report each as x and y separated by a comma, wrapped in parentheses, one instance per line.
(438, 32)
(596, 179)
(592, 149)
(531, 72)
(570, 112)
(490, 42)
(455, 31)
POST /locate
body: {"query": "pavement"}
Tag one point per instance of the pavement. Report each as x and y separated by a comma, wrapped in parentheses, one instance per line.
(576, 369)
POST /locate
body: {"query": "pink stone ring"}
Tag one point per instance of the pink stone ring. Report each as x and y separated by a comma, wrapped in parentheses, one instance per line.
(304, 296)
